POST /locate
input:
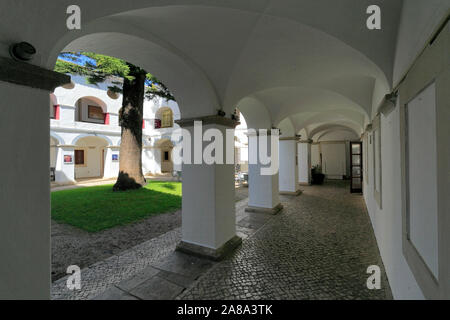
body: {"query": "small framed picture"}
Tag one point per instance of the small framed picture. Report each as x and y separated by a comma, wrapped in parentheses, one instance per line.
(115, 157)
(68, 159)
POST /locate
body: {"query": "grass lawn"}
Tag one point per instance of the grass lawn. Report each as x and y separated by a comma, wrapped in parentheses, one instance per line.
(98, 208)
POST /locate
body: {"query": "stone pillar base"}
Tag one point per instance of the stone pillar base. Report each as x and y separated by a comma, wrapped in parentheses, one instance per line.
(209, 253)
(304, 184)
(291, 193)
(273, 210)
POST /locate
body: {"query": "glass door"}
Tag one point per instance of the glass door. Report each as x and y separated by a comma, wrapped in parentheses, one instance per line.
(356, 167)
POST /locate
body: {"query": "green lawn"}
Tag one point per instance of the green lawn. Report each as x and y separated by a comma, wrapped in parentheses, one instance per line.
(98, 208)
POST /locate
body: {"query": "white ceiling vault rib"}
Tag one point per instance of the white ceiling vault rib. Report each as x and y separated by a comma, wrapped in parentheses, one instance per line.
(277, 56)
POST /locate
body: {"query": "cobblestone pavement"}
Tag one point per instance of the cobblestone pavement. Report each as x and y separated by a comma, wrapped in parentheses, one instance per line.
(100, 276)
(318, 247)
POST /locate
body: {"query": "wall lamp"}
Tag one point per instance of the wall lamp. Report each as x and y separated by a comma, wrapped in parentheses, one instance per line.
(22, 51)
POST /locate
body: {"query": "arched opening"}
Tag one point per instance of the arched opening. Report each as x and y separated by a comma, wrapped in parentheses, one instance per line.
(89, 157)
(91, 109)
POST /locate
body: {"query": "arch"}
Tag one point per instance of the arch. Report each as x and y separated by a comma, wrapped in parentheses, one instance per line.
(194, 92)
(163, 142)
(331, 127)
(83, 109)
(57, 137)
(255, 112)
(94, 99)
(315, 50)
(322, 134)
(287, 128)
(81, 136)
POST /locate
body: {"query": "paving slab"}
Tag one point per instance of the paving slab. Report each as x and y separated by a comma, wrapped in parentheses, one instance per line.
(157, 288)
(137, 279)
(114, 293)
(184, 264)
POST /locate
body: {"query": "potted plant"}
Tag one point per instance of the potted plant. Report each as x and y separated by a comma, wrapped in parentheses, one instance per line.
(317, 176)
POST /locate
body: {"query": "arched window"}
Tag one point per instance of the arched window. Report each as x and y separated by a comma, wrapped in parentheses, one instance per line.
(167, 118)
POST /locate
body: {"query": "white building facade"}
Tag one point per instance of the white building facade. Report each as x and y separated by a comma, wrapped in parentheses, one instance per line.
(85, 132)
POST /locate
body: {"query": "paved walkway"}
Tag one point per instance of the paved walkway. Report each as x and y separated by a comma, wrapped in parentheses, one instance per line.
(318, 247)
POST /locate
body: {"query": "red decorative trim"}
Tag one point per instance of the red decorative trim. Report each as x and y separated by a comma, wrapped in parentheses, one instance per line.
(143, 123)
(57, 111)
(106, 118)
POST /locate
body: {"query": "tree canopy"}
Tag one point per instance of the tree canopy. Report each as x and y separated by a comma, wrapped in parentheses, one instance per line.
(97, 68)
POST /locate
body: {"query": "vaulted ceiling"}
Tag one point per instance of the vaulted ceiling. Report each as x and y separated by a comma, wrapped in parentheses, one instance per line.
(294, 63)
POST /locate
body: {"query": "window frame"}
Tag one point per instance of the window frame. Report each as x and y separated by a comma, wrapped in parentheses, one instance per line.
(431, 66)
(84, 164)
(377, 173)
(167, 123)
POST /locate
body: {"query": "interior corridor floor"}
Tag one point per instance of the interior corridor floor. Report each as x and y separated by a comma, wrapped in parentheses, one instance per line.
(318, 247)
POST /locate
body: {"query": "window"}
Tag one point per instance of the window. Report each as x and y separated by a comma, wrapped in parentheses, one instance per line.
(376, 144)
(95, 113)
(79, 157)
(166, 155)
(167, 119)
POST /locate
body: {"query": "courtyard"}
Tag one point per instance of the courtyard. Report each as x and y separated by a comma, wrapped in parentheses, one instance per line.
(318, 247)
(92, 223)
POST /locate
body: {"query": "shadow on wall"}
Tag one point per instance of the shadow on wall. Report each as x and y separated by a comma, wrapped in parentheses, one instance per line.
(62, 179)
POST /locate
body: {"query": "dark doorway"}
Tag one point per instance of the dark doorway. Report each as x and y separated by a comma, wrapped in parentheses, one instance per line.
(356, 168)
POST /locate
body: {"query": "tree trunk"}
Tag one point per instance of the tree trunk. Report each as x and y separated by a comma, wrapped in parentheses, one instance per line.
(130, 119)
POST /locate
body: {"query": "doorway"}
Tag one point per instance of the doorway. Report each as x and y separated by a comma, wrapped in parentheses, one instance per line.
(356, 163)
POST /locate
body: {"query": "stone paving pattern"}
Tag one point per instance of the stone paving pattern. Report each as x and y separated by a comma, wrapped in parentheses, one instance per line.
(100, 276)
(318, 247)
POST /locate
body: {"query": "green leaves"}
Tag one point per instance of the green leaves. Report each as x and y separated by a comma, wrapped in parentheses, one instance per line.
(98, 67)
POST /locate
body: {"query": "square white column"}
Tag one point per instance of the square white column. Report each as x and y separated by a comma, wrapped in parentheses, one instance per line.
(288, 177)
(208, 205)
(263, 188)
(304, 162)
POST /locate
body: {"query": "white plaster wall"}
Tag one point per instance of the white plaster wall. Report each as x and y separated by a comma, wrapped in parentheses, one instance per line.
(339, 135)
(288, 173)
(111, 167)
(304, 162)
(333, 160)
(24, 193)
(315, 154)
(387, 222)
(418, 20)
(53, 152)
(208, 217)
(422, 165)
(67, 113)
(263, 189)
(151, 160)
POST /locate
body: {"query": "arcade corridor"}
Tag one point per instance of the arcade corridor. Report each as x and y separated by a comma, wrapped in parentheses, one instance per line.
(318, 247)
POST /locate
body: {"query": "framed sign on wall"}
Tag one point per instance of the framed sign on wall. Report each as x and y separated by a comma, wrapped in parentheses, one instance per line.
(68, 159)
